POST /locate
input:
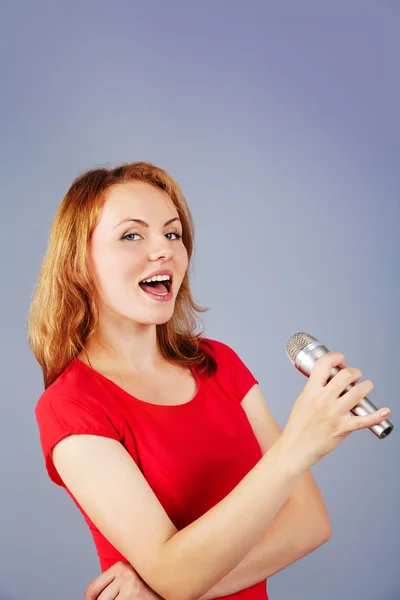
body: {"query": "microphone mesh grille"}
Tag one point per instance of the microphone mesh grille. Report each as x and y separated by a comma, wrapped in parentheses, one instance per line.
(296, 343)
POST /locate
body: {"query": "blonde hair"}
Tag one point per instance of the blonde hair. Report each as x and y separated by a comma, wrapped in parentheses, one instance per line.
(63, 314)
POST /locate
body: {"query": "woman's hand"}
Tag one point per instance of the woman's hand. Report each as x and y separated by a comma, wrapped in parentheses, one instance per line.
(320, 419)
(120, 581)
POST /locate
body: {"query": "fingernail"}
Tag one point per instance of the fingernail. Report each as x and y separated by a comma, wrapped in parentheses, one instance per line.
(385, 412)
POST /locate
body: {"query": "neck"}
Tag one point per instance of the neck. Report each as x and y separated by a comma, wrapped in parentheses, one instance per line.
(128, 350)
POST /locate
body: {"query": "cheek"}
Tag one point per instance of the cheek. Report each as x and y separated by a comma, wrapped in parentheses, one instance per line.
(181, 258)
(117, 268)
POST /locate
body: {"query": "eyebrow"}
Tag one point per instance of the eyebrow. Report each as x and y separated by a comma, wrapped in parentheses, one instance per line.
(141, 222)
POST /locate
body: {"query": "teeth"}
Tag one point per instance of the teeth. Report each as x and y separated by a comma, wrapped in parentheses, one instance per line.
(157, 278)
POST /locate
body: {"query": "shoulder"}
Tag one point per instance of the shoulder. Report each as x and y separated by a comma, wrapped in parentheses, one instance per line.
(222, 352)
(217, 347)
(76, 401)
(231, 369)
(71, 387)
(74, 404)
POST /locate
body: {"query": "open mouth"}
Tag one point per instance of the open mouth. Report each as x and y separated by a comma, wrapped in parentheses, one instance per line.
(157, 288)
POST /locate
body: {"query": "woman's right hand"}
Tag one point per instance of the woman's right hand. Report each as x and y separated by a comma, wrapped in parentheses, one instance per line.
(121, 580)
(320, 419)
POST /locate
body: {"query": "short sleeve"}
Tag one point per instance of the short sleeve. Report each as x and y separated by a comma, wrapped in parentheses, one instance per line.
(244, 379)
(233, 370)
(59, 417)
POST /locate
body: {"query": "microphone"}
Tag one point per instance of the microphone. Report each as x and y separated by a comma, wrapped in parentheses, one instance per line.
(303, 350)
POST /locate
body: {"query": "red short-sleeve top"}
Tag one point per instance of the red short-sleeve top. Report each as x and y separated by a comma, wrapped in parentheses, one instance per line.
(192, 455)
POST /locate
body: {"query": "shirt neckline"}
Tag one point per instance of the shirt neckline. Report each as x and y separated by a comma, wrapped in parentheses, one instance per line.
(77, 361)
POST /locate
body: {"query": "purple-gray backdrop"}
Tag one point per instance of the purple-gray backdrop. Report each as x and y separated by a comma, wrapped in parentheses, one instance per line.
(281, 122)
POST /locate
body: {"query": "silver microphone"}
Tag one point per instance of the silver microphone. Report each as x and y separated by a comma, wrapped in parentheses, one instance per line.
(303, 350)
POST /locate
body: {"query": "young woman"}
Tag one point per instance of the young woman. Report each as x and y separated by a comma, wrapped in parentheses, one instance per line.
(161, 436)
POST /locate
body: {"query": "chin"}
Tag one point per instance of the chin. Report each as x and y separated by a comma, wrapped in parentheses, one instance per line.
(162, 317)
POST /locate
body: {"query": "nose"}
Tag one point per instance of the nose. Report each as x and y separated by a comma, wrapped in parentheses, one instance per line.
(160, 251)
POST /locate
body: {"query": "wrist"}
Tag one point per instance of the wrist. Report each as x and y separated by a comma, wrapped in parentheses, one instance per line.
(291, 456)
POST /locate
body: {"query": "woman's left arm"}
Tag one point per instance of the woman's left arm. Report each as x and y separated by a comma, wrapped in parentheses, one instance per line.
(299, 528)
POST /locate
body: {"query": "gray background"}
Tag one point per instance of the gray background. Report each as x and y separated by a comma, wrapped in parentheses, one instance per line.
(280, 121)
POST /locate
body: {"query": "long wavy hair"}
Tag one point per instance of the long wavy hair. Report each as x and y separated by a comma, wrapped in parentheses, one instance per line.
(63, 314)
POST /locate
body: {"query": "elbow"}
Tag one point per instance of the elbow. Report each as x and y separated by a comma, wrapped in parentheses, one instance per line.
(327, 530)
(325, 533)
(310, 543)
(322, 528)
(320, 535)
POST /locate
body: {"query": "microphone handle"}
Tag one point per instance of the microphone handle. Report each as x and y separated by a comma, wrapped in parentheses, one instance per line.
(366, 407)
(304, 362)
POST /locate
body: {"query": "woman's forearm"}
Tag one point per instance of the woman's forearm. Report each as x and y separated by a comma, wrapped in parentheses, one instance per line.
(210, 547)
(301, 526)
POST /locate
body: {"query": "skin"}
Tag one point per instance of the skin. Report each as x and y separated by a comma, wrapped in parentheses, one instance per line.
(126, 341)
(120, 582)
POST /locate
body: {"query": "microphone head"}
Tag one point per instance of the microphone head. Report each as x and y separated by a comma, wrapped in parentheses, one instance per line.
(297, 343)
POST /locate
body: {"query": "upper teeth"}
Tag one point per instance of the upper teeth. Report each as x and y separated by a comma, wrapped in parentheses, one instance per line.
(157, 278)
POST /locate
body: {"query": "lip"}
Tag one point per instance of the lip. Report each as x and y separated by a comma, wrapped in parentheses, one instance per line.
(165, 298)
(160, 272)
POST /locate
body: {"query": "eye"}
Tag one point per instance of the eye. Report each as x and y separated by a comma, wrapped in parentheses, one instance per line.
(175, 233)
(127, 236)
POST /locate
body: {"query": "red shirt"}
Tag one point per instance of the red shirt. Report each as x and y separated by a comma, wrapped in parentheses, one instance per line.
(192, 455)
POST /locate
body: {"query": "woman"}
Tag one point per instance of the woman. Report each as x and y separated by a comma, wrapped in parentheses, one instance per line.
(161, 436)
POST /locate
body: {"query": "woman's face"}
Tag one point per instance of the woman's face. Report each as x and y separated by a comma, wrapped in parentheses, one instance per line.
(122, 254)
